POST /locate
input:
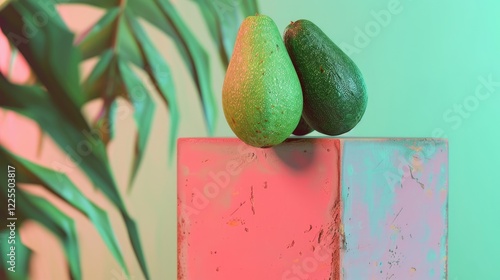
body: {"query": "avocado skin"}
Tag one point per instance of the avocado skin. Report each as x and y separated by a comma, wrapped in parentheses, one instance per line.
(302, 128)
(334, 91)
(261, 95)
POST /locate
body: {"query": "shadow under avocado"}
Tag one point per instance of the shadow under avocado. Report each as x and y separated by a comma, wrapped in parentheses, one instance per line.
(297, 153)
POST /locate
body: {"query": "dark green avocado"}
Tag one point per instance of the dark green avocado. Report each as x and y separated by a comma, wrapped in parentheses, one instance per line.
(333, 88)
(302, 128)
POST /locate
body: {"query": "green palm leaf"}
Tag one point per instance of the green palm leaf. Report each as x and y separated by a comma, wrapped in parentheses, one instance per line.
(60, 185)
(103, 82)
(163, 15)
(106, 4)
(58, 223)
(34, 103)
(100, 36)
(50, 53)
(223, 18)
(143, 112)
(159, 73)
(128, 42)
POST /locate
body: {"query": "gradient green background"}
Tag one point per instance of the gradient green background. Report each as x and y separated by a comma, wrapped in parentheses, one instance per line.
(417, 68)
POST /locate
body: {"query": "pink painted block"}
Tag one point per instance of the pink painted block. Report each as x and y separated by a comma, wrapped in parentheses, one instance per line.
(248, 213)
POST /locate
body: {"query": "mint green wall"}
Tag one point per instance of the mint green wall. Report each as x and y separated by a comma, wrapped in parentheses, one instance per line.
(429, 59)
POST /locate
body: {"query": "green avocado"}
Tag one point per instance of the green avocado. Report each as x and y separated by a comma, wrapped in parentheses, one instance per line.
(334, 91)
(261, 95)
(302, 128)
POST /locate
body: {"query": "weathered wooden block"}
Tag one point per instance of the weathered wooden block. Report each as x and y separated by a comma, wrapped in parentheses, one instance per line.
(312, 208)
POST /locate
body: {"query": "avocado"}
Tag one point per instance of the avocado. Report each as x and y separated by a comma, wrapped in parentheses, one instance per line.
(302, 128)
(261, 94)
(334, 91)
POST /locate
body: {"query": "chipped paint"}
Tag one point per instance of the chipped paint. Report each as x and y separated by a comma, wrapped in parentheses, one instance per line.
(278, 218)
(401, 228)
